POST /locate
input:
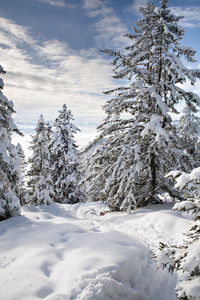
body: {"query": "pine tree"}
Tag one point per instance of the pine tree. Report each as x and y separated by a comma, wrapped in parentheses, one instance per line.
(65, 162)
(185, 257)
(188, 130)
(21, 190)
(10, 172)
(40, 190)
(139, 144)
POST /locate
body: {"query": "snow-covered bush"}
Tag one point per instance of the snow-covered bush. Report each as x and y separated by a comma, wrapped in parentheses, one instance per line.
(189, 183)
(185, 257)
(10, 173)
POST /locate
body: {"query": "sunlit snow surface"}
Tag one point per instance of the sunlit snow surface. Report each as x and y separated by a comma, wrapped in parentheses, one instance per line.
(65, 252)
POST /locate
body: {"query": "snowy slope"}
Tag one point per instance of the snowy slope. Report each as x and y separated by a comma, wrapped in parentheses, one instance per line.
(65, 252)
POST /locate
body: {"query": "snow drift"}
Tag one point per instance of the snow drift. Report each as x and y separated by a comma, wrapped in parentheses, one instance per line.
(66, 252)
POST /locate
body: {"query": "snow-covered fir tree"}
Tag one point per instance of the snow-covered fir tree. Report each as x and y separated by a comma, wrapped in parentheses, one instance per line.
(40, 190)
(65, 164)
(139, 145)
(20, 187)
(185, 257)
(188, 130)
(10, 173)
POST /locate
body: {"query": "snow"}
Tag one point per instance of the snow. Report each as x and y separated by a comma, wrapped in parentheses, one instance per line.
(195, 174)
(191, 180)
(189, 288)
(65, 252)
(154, 125)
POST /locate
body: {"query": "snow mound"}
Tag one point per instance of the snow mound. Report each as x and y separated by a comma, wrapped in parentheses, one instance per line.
(87, 210)
(133, 275)
(68, 252)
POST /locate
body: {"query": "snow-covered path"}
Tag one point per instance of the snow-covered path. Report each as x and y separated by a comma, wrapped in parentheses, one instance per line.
(65, 252)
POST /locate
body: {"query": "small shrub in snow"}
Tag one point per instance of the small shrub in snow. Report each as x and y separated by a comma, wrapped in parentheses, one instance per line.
(186, 257)
(189, 183)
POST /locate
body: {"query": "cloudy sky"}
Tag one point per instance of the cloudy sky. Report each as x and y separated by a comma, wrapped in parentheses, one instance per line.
(51, 52)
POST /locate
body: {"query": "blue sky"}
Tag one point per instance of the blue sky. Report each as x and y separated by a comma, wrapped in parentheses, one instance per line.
(51, 52)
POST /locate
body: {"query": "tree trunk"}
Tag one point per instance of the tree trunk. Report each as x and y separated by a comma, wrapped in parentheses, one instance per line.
(153, 178)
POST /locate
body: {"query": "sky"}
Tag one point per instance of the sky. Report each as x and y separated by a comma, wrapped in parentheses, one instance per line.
(50, 50)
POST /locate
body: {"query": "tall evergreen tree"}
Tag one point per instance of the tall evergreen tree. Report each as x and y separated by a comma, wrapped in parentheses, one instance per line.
(10, 173)
(40, 190)
(188, 130)
(139, 145)
(21, 188)
(65, 162)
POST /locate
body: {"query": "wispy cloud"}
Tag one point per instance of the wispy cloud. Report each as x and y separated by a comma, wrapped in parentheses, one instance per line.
(134, 7)
(60, 3)
(45, 75)
(73, 6)
(93, 4)
(191, 15)
(109, 27)
(14, 33)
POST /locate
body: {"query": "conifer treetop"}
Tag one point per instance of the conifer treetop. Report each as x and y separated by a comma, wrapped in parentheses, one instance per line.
(153, 63)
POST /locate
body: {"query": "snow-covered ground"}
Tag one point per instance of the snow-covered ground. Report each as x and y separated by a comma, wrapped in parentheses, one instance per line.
(66, 252)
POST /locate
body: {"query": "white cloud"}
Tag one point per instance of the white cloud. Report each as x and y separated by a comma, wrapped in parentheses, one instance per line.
(60, 3)
(73, 6)
(110, 29)
(93, 4)
(41, 77)
(191, 15)
(134, 7)
(14, 33)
